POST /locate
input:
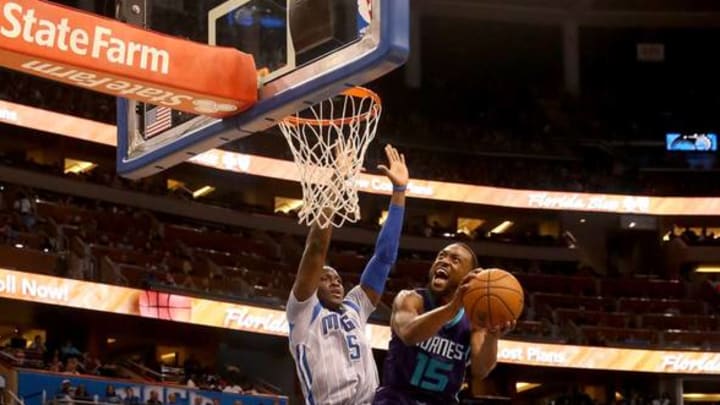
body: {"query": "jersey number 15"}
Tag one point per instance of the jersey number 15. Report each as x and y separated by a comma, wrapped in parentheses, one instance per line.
(430, 374)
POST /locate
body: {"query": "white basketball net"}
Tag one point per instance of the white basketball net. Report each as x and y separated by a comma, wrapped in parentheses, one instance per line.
(328, 142)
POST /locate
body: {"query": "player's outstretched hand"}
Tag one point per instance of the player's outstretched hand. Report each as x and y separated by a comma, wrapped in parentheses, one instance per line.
(396, 170)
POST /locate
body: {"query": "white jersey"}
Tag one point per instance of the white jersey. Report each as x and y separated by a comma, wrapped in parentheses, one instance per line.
(333, 357)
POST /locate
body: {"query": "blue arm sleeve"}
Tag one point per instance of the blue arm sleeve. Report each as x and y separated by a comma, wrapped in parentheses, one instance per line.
(386, 248)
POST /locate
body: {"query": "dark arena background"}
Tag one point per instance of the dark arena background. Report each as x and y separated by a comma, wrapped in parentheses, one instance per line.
(570, 142)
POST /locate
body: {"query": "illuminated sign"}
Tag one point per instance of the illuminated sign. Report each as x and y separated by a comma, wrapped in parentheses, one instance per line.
(248, 318)
(434, 190)
(693, 142)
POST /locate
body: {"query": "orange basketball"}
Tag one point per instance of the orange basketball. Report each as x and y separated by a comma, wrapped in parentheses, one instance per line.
(493, 298)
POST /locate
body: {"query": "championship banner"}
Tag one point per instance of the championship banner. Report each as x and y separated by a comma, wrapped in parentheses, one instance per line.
(85, 50)
(178, 308)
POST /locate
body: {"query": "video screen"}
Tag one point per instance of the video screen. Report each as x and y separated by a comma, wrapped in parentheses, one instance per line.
(691, 142)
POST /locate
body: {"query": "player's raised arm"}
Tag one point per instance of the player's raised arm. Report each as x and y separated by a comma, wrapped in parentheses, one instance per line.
(312, 262)
(413, 326)
(376, 271)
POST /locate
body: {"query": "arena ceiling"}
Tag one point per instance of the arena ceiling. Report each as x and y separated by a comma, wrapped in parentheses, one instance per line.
(612, 5)
(600, 13)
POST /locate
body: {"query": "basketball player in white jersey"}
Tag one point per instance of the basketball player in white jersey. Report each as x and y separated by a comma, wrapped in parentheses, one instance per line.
(333, 356)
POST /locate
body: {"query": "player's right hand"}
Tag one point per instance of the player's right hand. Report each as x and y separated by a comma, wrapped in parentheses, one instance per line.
(457, 302)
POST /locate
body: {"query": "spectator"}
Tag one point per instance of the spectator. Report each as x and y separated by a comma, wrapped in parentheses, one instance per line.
(26, 208)
(130, 397)
(37, 346)
(55, 365)
(66, 391)
(71, 366)
(81, 394)
(172, 398)
(191, 365)
(69, 350)
(111, 397)
(154, 398)
(91, 364)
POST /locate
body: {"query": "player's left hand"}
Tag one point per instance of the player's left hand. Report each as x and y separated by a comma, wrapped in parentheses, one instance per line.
(396, 170)
(501, 330)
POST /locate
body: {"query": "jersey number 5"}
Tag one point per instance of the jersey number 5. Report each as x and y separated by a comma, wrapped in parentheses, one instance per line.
(353, 347)
(430, 374)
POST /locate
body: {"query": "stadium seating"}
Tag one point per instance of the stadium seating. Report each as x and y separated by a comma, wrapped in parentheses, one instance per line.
(124, 246)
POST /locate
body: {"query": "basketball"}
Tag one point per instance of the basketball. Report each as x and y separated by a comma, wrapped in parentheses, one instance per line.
(493, 298)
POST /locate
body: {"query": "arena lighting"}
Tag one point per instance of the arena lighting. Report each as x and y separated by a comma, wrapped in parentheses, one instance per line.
(285, 205)
(468, 225)
(631, 225)
(168, 356)
(707, 269)
(525, 386)
(111, 340)
(502, 228)
(19, 245)
(203, 191)
(173, 185)
(383, 217)
(78, 166)
(701, 397)
(583, 220)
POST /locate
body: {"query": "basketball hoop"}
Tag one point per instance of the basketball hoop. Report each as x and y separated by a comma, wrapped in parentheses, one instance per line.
(328, 142)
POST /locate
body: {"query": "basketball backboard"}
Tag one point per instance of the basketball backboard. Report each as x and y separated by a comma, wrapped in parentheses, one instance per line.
(305, 51)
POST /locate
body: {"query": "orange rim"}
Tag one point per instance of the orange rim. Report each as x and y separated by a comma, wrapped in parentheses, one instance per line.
(358, 92)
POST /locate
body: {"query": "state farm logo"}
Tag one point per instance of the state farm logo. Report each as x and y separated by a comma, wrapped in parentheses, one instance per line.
(126, 88)
(210, 107)
(81, 49)
(100, 44)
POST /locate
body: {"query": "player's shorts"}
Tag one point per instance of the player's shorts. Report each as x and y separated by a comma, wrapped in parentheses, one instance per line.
(399, 396)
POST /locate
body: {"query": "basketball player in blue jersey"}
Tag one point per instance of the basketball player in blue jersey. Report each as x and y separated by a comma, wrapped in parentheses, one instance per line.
(333, 356)
(432, 339)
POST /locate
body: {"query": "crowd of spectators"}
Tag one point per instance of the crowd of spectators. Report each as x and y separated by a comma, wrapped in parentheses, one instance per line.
(58, 97)
(72, 362)
(516, 139)
(65, 359)
(122, 245)
(157, 186)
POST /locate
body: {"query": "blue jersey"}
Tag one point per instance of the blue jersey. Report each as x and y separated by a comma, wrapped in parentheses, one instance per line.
(431, 371)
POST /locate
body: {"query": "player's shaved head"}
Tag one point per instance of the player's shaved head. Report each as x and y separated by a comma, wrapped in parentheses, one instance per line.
(330, 290)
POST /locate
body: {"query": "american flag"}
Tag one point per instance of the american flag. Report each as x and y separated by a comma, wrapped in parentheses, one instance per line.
(157, 120)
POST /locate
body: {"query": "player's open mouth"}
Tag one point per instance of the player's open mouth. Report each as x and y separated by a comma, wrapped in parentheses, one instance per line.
(441, 273)
(440, 277)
